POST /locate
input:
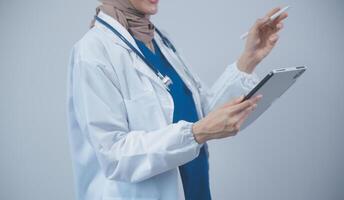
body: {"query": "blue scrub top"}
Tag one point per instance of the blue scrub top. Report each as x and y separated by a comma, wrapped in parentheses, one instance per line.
(194, 174)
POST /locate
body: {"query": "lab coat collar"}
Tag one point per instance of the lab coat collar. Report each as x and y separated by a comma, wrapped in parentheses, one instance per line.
(138, 64)
(121, 29)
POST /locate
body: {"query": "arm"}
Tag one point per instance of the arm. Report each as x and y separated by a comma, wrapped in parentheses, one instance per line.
(227, 120)
(239, 78)
(125, 155)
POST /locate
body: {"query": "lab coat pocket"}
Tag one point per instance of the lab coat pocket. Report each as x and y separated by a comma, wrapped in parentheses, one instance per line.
(144, 112)
(121, 190)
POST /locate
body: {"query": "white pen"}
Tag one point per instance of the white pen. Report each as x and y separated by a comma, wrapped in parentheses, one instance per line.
(272, 18)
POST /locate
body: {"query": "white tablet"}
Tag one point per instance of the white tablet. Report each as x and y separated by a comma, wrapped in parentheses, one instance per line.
(272, 87)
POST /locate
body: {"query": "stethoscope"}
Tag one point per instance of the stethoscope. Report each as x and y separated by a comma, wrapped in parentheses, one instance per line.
(165, 79)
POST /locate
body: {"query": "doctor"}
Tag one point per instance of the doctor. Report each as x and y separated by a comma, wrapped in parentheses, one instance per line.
(139, 118)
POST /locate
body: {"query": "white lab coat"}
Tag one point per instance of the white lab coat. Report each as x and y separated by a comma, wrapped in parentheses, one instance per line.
(123, 142)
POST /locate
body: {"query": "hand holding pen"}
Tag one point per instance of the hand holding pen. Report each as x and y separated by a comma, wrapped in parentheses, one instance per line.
(261, 39)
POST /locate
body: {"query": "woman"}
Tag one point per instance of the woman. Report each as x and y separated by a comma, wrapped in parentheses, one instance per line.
(139, 119)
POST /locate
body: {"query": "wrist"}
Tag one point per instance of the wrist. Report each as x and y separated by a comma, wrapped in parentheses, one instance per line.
(198, 134)
(247, 63)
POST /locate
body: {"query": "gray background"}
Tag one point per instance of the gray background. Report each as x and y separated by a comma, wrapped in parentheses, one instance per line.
(293, 152)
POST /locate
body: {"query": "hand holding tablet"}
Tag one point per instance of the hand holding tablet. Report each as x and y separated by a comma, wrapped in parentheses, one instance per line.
(272, 87)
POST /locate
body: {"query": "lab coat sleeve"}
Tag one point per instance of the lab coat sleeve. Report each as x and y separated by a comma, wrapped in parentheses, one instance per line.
(232, 83)
(125, 155)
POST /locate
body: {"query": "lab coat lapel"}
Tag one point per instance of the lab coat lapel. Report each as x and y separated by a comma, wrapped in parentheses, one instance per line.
(141, 66)
(172, 59)
(138, 63)
(177, 64)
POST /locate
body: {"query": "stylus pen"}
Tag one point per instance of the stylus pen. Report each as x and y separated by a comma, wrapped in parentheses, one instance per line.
(272, 18)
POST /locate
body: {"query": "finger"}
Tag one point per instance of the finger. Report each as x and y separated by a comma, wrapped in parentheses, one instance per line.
(279, 26)
(240, 107)
(234, 102)
(273, 24)
(277, 21)
(260, 22)
(256, 98)
(275, 28)
(266, 19)
(244, 116)
(273, 39)
(242, 119)
(280, 18)
(246, 104)
(273, 11)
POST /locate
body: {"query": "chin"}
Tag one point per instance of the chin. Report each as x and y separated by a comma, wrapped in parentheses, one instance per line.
(152, 10)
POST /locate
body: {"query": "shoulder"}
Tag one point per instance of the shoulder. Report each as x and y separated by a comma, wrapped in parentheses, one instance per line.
(98, 53)
(96, 46)
(89, 48)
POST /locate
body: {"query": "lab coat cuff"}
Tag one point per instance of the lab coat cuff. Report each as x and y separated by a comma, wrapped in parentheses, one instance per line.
(249, 76)
(248, 80)
(189, 136)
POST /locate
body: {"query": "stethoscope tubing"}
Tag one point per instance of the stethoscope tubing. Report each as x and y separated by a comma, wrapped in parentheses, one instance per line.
(165, 79)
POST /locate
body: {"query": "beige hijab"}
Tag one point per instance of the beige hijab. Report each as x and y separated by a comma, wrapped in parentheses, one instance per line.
(136, 22)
